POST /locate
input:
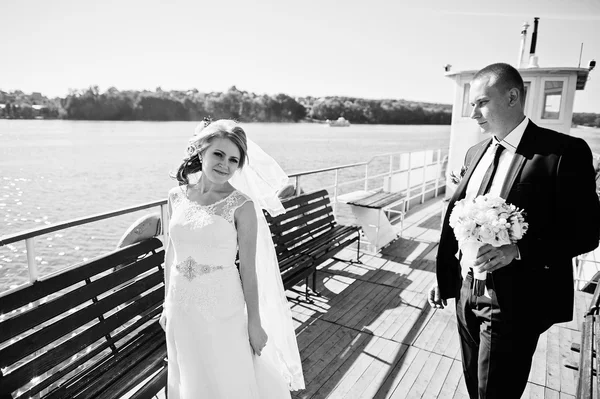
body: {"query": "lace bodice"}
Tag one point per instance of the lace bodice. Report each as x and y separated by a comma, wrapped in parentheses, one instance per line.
(204, 239)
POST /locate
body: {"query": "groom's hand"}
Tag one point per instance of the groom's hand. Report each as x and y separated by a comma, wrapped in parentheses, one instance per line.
(434, 299)
(493, 258)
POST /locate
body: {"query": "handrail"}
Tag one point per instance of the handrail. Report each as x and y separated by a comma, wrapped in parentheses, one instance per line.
(314, 171)
(11, 238)
(29, 235)
(352, 165)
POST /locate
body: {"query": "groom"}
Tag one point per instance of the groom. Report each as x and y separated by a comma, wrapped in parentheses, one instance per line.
(530, 284)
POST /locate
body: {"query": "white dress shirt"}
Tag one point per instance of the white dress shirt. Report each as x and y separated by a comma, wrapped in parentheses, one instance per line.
(510, 144)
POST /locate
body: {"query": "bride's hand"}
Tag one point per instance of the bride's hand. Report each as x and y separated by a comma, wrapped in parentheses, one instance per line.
(163, 321)
(258, 337)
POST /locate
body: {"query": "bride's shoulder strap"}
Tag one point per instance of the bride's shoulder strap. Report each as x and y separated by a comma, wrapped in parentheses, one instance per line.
(235, 200)
(176, 195)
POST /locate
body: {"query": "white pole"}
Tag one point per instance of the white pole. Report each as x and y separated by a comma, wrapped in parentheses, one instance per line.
(335, 193)
(424, 176)
(298, 186)
(437, 172)
(408, 181)
(31, 263)
(164, 220)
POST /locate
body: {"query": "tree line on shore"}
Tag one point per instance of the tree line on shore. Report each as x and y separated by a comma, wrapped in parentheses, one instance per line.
(192, 105)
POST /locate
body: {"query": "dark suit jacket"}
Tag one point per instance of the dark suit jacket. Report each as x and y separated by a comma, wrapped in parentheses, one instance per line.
(552, 178)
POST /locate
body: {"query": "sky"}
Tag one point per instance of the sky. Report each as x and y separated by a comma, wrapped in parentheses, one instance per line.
(370, 49)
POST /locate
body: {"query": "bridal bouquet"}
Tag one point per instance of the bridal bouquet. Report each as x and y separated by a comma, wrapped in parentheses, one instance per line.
(486, 219)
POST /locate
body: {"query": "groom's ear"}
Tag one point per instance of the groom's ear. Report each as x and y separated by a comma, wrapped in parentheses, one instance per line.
(513, 97)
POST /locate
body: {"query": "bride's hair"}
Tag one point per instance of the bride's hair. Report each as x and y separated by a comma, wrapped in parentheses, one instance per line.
(205, 133)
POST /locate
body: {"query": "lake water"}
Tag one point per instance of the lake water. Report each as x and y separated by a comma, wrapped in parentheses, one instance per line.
(52, 171)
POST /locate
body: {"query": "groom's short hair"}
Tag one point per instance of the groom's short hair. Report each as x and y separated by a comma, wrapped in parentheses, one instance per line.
(504, 76)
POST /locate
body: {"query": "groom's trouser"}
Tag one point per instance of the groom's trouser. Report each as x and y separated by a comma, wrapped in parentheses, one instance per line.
(496, 354)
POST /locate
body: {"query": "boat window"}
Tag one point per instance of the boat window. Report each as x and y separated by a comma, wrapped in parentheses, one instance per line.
(466, 108)
(552, 99)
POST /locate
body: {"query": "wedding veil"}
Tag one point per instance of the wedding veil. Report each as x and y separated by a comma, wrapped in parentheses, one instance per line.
(261, 179)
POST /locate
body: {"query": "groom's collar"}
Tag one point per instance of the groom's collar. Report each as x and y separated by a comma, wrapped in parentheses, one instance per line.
(512, 140)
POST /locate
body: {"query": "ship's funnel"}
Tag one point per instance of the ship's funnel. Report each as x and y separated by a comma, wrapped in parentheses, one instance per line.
(533, 59)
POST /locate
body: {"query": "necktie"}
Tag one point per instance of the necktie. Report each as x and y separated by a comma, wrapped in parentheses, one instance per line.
(488, 178)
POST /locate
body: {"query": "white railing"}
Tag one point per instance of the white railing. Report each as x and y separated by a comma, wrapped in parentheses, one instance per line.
(29, 236)
(416, 174)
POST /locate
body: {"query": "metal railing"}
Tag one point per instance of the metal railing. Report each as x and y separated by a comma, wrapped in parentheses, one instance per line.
(29, 235)
(423, 163)
(431, 160)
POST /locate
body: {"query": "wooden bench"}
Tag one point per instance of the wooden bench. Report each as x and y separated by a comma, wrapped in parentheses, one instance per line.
(78, 335)
(588, 348)
(373, 210)
(306, 236)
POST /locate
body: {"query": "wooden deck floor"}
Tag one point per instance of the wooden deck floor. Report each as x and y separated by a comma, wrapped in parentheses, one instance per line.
(372, 334)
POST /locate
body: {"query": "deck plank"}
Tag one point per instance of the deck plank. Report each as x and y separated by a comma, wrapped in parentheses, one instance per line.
(375, 375)
(451, 383)
(371, 333)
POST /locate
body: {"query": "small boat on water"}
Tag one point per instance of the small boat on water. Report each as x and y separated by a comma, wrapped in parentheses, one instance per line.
(339, 122)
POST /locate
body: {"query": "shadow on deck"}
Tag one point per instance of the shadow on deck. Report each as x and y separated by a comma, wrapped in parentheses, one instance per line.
(372, 334)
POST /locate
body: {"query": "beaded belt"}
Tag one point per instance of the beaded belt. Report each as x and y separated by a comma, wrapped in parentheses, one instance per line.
(192, 269)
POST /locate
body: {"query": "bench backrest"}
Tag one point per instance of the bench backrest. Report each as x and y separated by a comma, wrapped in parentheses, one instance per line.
(68, 322)
(306, 217)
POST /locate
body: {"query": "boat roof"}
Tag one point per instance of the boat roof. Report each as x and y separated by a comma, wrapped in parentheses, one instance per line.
(582, 73)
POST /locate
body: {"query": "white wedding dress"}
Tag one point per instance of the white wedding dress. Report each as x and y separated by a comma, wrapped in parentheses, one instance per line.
(209, 353)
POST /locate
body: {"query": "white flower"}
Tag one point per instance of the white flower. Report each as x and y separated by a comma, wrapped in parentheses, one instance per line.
(487, 219)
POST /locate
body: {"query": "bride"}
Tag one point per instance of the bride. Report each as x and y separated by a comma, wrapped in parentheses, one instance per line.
(229, 332)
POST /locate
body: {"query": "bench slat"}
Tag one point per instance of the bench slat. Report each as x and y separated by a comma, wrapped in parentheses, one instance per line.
(328, 238)
(300, 260)
(280, 228)
(64, 280)
(72, 322)
(303, 208)
(44, 312)
(145, 318)
(81, 341)
(304, 198)
(314, 227)
(137, 374)
(152, 387)
(378, 200)
(334, 250)
(109, 371)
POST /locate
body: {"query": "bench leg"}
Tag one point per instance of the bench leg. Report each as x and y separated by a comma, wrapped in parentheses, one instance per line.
(314, 284)
(306, 293)
(358, 249)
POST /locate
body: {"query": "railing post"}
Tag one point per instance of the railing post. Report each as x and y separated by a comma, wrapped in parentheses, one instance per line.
(367, 177)
(391, 173)
(437, 171)
(424, 177)
(335, 193)
(408, 181)
(31, 263)
(298, 186)
(164, 220)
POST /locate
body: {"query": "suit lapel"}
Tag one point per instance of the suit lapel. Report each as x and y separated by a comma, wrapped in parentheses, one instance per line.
(521, 154)
(462, 187)
(513, 171)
